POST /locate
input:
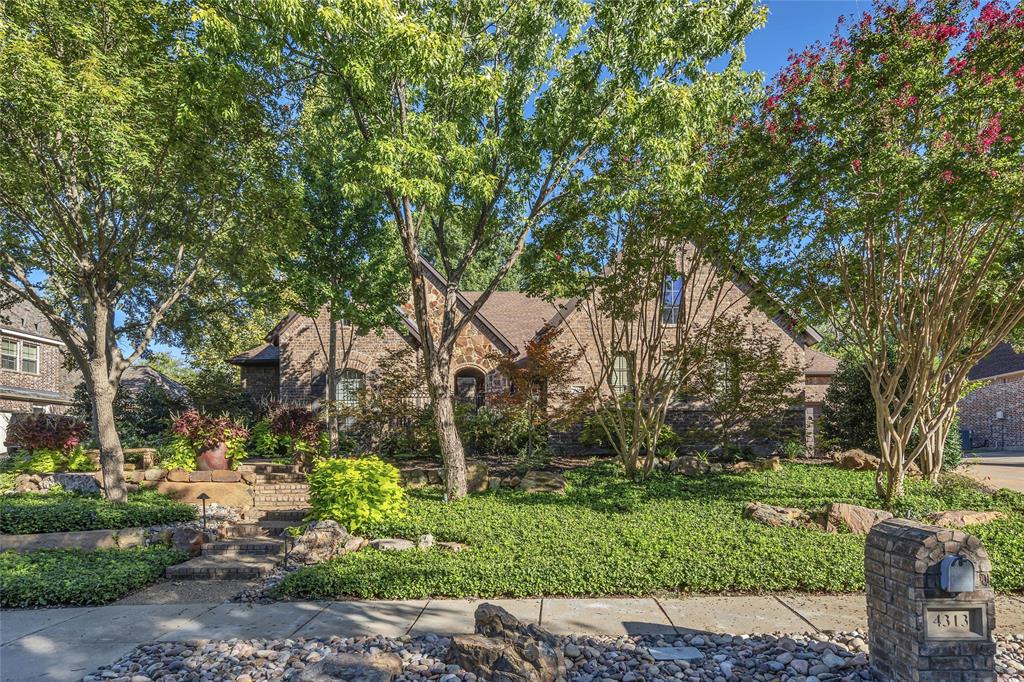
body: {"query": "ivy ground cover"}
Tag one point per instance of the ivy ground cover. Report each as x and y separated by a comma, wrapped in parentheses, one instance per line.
(608, 536)
(55, 512)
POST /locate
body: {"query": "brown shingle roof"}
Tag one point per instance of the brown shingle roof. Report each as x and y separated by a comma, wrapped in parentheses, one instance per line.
(1002, 360)
(264, 354)
(819, 363)
(518, 316)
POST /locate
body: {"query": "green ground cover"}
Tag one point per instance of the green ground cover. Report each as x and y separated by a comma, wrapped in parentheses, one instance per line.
(608, 536)
(72, 577)
(54, 512)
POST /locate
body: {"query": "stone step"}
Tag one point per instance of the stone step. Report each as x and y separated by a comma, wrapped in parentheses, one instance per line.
(276, 526)
(270, 492)
(222, 568)
(270, 479)
(245, 530)
(257, 546)
(270, 467)
(296, 515)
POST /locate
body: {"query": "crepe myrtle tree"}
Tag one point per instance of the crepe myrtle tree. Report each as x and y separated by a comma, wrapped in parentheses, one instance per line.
(890, 164)
(129, 159)
(347, 258)
(476, 117)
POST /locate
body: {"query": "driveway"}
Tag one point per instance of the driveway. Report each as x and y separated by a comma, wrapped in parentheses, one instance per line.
(1002, 469)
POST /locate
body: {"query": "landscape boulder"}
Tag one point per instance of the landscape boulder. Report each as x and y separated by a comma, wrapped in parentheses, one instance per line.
(505, 650)
(156, 474)
(378, 667)
(856, 460)
(963, 517)
(855, 518)
(477, 477)
(177, 476)
(392, 544)
(84, 484)
(688, 465)
(28, 483)
(767, 464)
(777, 516)
(414, 479)
(320, 541)
(542, 482)
(191, 540)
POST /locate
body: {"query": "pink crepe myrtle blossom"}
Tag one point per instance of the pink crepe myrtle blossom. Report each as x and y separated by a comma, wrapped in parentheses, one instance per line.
(990, 135)
(856, 164)
(948, 177)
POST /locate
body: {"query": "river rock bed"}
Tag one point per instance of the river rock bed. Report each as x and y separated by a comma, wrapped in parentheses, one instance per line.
(727, 658)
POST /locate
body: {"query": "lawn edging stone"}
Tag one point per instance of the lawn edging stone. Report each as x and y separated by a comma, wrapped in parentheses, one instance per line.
(82, 539)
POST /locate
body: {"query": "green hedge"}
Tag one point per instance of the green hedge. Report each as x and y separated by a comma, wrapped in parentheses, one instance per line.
(608, 536)
(71, 577)
(55, 512)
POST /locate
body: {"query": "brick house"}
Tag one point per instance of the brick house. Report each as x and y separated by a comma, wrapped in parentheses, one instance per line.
(290, 366)
(994, 413)
(32, 374)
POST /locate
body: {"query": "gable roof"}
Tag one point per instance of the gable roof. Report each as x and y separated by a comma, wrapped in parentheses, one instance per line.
(519, 316)
(1002, 360)
(820, 364)
(263, 354)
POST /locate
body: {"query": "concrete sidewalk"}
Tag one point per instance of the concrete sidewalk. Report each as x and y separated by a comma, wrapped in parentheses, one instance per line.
(65, 644)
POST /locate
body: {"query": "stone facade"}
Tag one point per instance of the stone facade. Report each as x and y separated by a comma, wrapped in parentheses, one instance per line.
(994, 413)
(902, 574)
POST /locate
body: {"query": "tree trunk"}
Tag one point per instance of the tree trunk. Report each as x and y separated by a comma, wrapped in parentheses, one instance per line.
(332, 383)
(452, 452)
(111, 454)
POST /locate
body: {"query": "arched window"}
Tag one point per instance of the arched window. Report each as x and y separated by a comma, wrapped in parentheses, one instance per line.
(469, 385)
(350, 382)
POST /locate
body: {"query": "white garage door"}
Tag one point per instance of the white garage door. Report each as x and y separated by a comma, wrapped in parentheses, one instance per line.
(5, 419)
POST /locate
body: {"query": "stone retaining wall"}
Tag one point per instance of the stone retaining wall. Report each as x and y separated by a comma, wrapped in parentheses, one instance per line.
(182, 476)
(85, 539)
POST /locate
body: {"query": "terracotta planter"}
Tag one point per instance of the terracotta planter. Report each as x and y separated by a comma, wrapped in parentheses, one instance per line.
(213, 459)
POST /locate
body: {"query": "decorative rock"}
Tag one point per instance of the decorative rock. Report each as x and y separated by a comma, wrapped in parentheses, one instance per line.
(425, 542)
(28, 483)
(493, 483)
(355, 543)
(156, 474)
(505, 650)
(476, 477)
(689, 465)
(225, 476)
(177, 475)
(451, 546)
(84, 484)
(249, 477)
(777, 516)
(542, 482)
(434, 477)
(320, 541)
(856, 460)
(510, 482)
(377, 667)
(856, 519)
(963, 517)
(392, 544)
(769, 464)
(200, 476)
(190, 540)
(675, 653)
(415, 479)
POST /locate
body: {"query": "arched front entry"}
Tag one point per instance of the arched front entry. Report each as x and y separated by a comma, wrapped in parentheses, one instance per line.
(469, 385)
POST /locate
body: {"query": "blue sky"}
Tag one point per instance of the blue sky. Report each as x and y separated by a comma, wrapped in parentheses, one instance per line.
(792, 24)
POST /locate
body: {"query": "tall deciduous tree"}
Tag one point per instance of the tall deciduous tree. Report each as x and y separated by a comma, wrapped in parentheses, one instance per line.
(348, 257)
(476, 117)
(892, 161)
(126, 155)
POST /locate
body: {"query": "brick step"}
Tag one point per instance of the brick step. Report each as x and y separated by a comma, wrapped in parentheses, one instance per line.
(276, 526)
(281, 499)
(282, 485)
(257, 546)
(262, 509)
(245, 530)
(272, 479)
(267, 490)
(222, 568)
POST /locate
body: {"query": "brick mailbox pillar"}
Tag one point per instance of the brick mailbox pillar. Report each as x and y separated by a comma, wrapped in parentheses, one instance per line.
(930, 604)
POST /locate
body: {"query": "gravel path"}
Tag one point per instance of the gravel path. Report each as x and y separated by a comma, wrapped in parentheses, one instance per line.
(728, 658)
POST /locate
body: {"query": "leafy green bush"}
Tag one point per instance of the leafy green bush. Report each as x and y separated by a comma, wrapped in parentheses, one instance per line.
(792, 449)
(355, 492)
(71, 577)
(506, 433)
(607, 535)
(48, 460)
(594, 434)
(62, 512)
(177, 453)
(953, 452)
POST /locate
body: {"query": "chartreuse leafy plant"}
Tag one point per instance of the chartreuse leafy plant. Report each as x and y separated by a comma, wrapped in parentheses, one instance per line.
(72, 577)
(356, 492)
(888, 165)
(470, 120)
(610, 536)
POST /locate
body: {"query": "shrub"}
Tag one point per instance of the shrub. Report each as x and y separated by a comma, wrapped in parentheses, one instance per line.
(143, 416)
(594, 433)
(953, 453)
(848, 415)
(505, 432)
(355, 492)
(178, 453)
(46, 460)
(55, 512)
(69, 577)
(47, 432)
(263, 443)
(792, 449)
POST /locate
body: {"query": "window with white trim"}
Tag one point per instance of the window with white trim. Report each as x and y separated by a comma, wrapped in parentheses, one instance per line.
(29, 358)
(672, 297)
(622, 373)
(8, 354)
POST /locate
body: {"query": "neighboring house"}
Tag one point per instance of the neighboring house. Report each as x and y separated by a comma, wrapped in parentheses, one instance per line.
(291, 366)
(32, 374)
(994, 412)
